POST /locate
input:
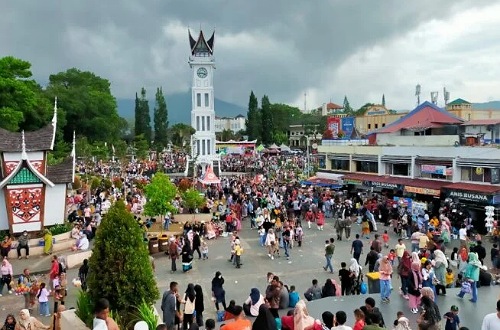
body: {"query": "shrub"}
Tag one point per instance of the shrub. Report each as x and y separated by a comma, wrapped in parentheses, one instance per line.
(77, 183)
(192, 199)
(145, 312)
(61, 228)
(85, 308)
(118, 183)
(120, 270)
(184, 185)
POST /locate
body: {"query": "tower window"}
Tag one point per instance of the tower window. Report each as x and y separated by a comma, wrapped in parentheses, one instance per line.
(208, 123)
(209, 142)
(198, 100)
(369, 126)
(203, 147)
(197, 123)
(197, 147)
(203, 123)
(206, 100)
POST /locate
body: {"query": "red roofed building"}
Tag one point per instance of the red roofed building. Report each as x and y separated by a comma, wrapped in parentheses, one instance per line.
(426, 119)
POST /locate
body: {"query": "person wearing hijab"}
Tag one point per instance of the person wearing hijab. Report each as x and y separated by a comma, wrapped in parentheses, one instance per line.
(385, 271)
(471, 274)
(199, 305)
(301, 318)
(253, 303)
(440, 271)
(10, 323)
(28, 322)
(414, 286)
(265, 320)
(355, 270)
(187, 257)
(218, 292)
(404, 269)
(189, 301)
(430, 318)
(328, 289)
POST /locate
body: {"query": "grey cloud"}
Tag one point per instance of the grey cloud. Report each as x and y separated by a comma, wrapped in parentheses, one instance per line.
(124, 40)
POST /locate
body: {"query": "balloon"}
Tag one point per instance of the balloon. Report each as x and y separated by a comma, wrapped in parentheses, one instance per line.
(141, 325)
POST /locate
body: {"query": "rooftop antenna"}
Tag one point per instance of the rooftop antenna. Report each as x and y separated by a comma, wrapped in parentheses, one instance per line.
(305, 102)
(417, 93)
(446, 96)
(434, 97)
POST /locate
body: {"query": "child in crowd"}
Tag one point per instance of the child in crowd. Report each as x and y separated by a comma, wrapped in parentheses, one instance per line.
(449, 277)
(293, 297)
(210, 324)
(399, 315)
(459, 281)
(262, 235)
(299, 234)
(360, 319)
(385, 238)
(391, 256)
(43, 300)
(452, 319)
(58, 297)
(204, 250)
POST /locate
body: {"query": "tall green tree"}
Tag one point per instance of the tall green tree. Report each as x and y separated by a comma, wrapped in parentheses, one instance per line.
(22, 102)
(160, 193)
(142, 116)
(160, 119)
(120, 270)
(254, 120)
(267, 121)
(181, 134)
(347, 106)
(88, 104)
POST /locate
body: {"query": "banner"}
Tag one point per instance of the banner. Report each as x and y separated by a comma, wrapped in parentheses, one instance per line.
(348, 126)
(333, 124)
(436, 169)
(422, 191)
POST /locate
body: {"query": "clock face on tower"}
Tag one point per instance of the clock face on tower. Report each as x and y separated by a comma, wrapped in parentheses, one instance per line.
(202, 72)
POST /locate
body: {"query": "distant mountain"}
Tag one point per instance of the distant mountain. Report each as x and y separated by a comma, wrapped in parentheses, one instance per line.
(179, 108)
(492, 105)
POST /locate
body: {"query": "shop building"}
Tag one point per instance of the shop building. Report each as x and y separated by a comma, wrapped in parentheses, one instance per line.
(421, 156)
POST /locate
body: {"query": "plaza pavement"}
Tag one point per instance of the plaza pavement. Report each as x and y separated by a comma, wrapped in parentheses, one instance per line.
(304, 265)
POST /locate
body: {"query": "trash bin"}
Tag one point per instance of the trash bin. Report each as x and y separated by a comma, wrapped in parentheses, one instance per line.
(163, 242)
(153, 245)
(373, 282)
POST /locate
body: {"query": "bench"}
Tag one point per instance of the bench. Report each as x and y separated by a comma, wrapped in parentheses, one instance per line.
(62, 242)
(76, 259)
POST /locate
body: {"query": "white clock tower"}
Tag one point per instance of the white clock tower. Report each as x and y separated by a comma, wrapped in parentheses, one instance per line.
(202, 64)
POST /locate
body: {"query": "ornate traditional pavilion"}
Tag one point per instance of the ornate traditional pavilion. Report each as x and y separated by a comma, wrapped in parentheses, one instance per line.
(32, 193)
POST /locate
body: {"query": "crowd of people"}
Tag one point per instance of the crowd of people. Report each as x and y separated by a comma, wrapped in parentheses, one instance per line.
(282, 212)
(278, 211)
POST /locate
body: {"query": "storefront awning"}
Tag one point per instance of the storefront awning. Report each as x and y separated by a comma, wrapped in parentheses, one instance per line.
(471, 192)
(416, 186)
(322, 182)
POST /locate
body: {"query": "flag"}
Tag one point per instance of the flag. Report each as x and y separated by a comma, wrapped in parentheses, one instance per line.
(113, 148)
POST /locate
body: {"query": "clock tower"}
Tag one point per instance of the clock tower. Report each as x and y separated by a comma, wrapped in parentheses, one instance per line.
(202, 64)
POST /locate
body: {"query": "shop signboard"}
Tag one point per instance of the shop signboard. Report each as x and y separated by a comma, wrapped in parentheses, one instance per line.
(383, 185)
(348, 126)
(433, 169)
(470, 196)
(333, 124)
(353, 181)
(422, 191)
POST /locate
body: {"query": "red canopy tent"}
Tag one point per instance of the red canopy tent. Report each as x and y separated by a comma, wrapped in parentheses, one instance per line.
(209, 177)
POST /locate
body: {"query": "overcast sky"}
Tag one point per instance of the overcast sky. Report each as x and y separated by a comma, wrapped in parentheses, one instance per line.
(283, 48)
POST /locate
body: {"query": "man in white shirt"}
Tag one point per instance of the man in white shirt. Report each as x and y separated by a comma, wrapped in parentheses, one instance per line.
(462, 234)
(400, 249)
(340, 319)
(492, 321)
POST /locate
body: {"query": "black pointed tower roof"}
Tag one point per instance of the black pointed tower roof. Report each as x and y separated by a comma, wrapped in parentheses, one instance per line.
(201, 47)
